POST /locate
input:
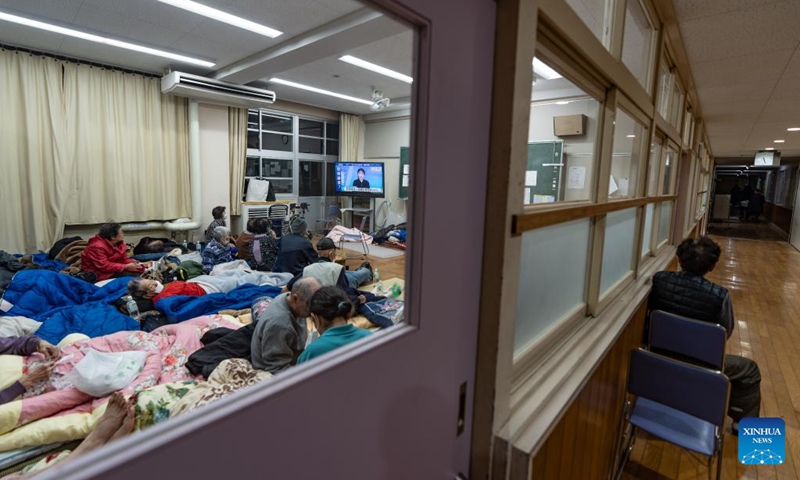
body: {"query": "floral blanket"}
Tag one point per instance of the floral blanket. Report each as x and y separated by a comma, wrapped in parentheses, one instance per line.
(56, 411)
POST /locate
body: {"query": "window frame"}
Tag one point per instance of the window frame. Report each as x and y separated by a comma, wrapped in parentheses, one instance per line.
(295, 156)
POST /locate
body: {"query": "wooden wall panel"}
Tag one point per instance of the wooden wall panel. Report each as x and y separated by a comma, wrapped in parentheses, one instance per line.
(780, 216)
(583, 443)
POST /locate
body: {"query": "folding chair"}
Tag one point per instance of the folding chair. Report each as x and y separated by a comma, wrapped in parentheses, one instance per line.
(680, 403)
(332, 219)
(697, 342)
(362, 237)
(277, 216)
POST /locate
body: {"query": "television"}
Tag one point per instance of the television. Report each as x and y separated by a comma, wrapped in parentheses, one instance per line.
(357, 179)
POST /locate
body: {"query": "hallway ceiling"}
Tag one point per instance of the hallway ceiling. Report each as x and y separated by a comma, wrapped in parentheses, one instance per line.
(150, 23)
(745, 62)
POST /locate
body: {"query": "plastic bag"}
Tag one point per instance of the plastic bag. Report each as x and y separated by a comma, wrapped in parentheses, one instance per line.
(99, 373)
(257, 190)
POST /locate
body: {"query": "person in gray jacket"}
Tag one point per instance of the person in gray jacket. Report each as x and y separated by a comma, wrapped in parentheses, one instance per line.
(280, 334)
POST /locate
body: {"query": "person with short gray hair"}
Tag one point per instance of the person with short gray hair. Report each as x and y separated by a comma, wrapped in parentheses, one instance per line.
(295, 252)
(280, 334)
(218, 249)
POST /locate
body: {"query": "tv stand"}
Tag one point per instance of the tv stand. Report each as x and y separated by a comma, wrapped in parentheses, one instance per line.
(357, 208)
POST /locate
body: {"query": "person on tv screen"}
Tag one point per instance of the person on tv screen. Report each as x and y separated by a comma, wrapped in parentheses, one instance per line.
(361, 183)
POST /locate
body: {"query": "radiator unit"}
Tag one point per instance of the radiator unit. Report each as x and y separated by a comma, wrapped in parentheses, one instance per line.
(254, 211)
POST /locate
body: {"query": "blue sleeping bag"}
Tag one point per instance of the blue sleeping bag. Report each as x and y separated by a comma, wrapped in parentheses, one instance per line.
(67, 305)
(182, 307)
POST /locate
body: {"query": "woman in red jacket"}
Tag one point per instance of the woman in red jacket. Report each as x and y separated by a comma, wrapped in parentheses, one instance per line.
(106, 256)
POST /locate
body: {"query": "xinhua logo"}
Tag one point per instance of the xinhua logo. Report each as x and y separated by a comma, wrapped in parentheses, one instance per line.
(762, 441)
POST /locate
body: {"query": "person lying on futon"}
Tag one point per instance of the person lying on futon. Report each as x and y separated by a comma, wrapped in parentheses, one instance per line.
(106, 255)
(25, 346)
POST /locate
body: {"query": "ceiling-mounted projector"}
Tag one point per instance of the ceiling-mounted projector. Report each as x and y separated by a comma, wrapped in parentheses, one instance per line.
(379, 102)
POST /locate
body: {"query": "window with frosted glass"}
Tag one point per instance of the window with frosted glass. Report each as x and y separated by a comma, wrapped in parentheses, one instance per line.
(654, 166)
(648, 228)
(630, 137)
(617, 248)
(688, 128)
(552, 279)
(593, 14)
(676, 108)
(638, 42)
(664, 222)
(560, 168)
(669, 165)
(664, 87)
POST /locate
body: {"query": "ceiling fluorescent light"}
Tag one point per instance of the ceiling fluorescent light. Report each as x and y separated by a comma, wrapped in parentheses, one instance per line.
(779, 141)
(793, 129)
(770, 148)
(375, 68)
(631, 136)
(96, 38)
(319, 90)
(544, 71)
(221, 16)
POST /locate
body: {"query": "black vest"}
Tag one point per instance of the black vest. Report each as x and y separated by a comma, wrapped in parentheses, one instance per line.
(688, 295)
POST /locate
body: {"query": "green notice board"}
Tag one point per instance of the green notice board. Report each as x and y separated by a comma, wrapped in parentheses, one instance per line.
(543, 175)
(404, 173)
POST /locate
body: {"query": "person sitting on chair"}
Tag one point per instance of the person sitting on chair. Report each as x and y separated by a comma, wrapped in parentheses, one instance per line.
(295, 250)
(361, 183)
(689, 294)
(218, 250)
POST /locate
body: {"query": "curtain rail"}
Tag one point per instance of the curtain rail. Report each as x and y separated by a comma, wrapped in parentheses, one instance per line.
(65, 58)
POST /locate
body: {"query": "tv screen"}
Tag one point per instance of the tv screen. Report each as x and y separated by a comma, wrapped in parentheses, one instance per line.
(359, 179)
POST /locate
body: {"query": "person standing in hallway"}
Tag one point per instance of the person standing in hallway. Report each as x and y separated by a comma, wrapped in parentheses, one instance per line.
(689, 294)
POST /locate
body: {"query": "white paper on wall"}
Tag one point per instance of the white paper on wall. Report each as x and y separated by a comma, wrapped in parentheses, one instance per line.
(623, 187)
(405, 169)
(405, 180)
(612, 186)
(527, 196)
(530, 178)
(576, 178)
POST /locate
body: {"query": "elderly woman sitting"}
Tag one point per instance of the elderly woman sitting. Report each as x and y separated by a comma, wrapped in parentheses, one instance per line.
(218, 249)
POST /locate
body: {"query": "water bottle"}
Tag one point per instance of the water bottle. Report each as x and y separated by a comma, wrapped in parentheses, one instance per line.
(185, 246)
(132, 307)
(376, 276)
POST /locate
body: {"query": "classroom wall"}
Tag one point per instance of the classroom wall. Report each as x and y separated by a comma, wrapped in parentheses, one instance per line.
(578, 150)
(382, 142)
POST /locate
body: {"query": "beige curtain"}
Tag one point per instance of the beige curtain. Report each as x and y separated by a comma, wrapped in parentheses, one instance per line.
(130, 146)
(35, 166)
(351, 129)
(237, 139)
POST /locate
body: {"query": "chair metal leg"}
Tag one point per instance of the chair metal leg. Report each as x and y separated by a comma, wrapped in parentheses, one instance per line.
(719, 456)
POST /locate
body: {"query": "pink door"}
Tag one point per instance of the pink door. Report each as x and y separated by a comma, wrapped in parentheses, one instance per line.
(389, 408)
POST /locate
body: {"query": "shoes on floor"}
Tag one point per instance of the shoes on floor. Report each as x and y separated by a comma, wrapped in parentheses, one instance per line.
(368, 266)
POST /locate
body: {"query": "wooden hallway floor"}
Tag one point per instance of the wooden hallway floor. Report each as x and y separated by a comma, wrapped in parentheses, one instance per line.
(763, 279)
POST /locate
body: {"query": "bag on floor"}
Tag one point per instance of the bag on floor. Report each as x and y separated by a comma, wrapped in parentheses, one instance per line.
(101, 373)
(257, 190)
(384, 312)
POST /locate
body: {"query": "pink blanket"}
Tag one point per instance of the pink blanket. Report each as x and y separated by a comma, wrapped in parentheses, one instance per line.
(167, 350)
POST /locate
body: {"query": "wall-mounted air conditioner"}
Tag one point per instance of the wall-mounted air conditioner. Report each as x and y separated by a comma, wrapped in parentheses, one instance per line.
(208, 90)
